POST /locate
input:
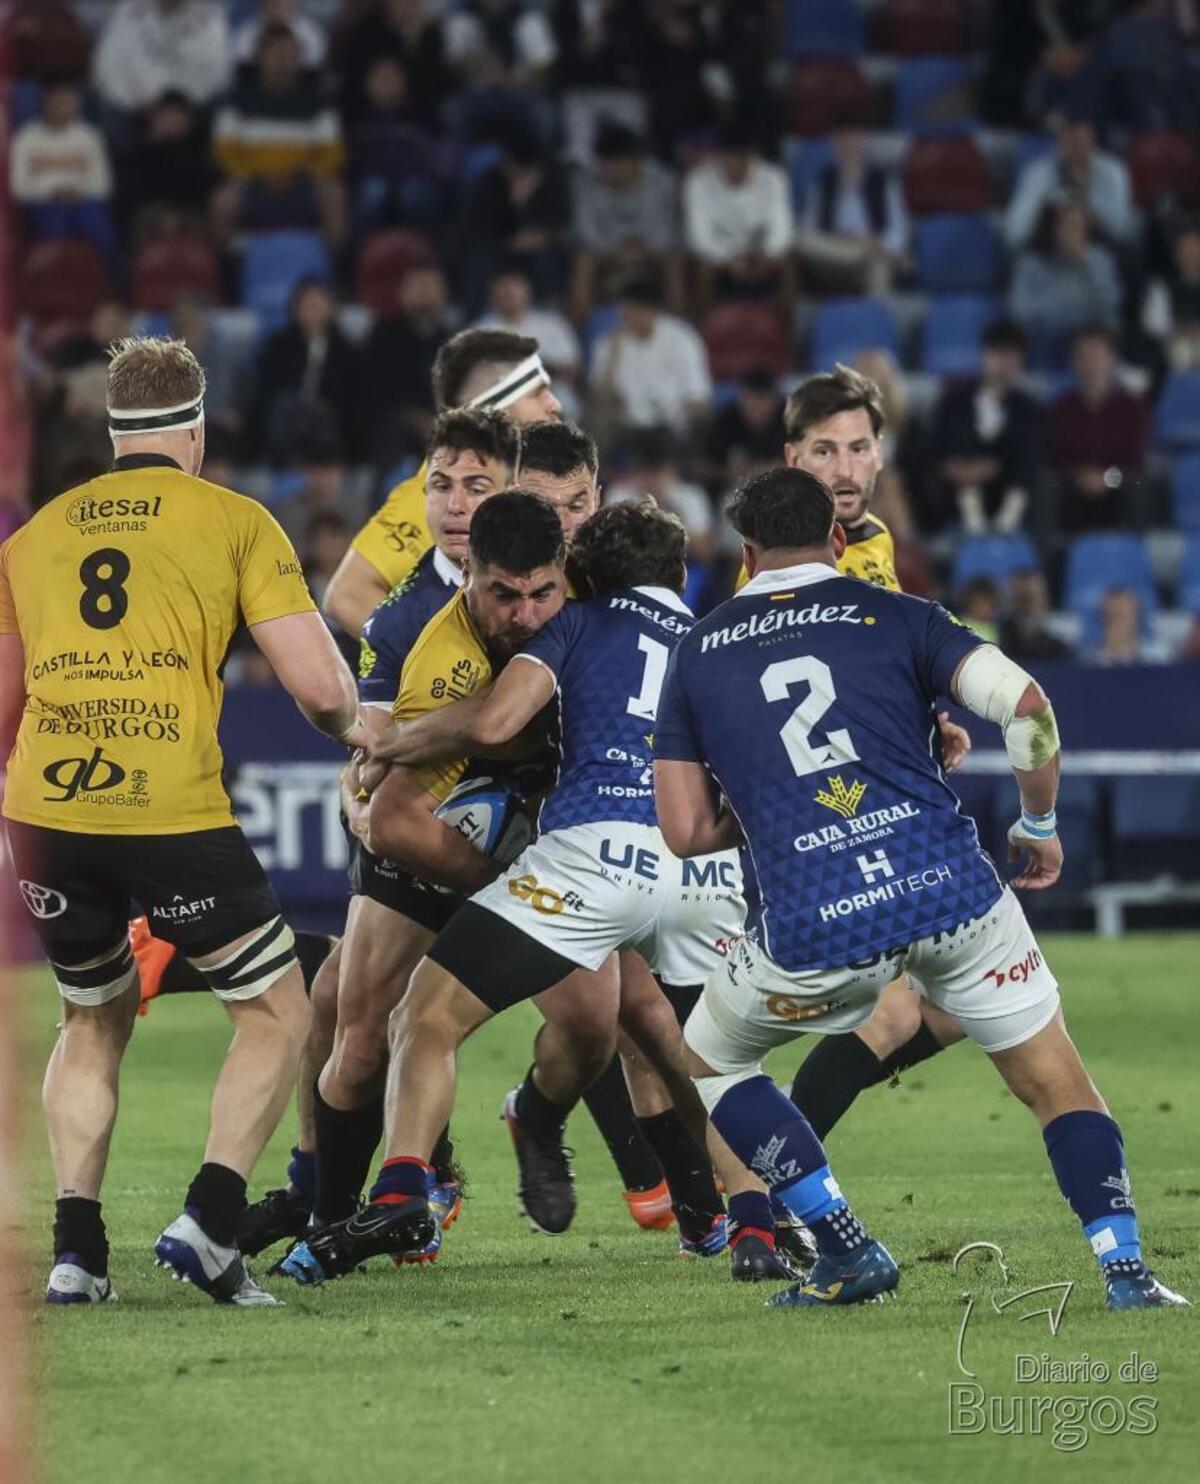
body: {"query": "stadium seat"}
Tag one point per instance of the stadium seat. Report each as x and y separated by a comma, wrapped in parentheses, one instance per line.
(1177, 420)
(1185, 492)
(932, 91)
(804, 159)
(63, 279)
(1163, 166)
(997, 557)
(274, 264)
(846, 326)
(946, 173)
(602, 321)
(824, 94)
(823, 28)
(385, 258)
(25, 101)
(1188, 596)
(923, 28)
(169, 267)
(1156, 825)
(956, 253)
(1095, 564)
(47, 42)
(740, 337)
(951, 341)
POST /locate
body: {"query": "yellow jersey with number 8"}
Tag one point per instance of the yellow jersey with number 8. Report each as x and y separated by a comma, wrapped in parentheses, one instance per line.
(126, 593)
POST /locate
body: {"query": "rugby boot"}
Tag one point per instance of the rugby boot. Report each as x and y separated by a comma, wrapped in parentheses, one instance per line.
(862, 1277)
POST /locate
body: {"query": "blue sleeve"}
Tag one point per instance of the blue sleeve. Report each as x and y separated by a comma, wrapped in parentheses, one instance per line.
(675, 738)
(945, 643)
(554, 641)
(387, 637)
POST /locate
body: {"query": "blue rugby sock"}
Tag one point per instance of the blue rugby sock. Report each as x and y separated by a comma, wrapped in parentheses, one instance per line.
(1088, 1157)
(302, 1174)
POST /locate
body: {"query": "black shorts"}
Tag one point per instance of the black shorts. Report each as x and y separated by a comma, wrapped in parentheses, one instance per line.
(497, 962)
(199, 890)
(386, 883)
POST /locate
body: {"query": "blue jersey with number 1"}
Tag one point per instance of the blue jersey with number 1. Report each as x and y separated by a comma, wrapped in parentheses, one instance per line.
(608, 657)
(811, 698)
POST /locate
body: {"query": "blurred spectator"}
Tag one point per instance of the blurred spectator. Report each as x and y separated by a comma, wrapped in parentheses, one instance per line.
(280, 143)
(1148, 67)
(676, 59)
(326, 488)
(324, 541)
(655, 472)
(985, 439)
(151, 47)
(1121, 641)
(398, 364)
(1171, 310)
(601, 60)
(517, 210)
(171, 164)
(1076, 172)
(226, 359)
(1064, 283)
(854, 228)
(307, 32)
(308, 364)
(511, 307)
(626, 217)
(1024, 636)
(406, 30)
(738, 218)
(746, 435)
(1097, 439)
(890, 498)
(653, 368)
(59, 158)
(499, 43)
(403, 169)
(979, 608)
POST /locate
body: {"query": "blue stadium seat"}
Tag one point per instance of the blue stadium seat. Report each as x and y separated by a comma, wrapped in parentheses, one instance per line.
(1177, 423)
(823, 28)
(602, 321)
(956, 253)
(1156, 825)
(932, 92)
(846, 326)
(1188, 596)
(804, 159)
(1097, 563)
(1079, 828)
(274, 264)
(951, 341)
(997, 557)
(25, 101)
(1185, 492)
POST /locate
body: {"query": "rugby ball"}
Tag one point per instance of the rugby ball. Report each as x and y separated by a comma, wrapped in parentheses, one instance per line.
(492, 815)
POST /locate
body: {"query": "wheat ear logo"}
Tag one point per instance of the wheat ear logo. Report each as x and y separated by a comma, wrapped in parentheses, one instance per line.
(839, 798)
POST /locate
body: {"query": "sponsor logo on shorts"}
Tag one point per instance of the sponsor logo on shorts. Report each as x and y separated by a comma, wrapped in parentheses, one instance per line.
(177, 910)
(1017, 973)
(544, 899)
(710, 875)
(841, 797)
(630, 857)
(43, 901)
(784, 1007)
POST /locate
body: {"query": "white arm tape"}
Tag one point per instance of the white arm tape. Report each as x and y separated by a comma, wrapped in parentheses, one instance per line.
(990, 685)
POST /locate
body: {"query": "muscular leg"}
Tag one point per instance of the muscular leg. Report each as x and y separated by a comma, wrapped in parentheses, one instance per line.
(579, 1037)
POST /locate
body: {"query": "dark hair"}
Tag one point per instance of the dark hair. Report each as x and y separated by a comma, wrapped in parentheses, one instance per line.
(757, 379)
(1004, 333)
(464, 353)
(632, 544)
(1094, 330)
(654, 447)
(644, 286)
(516, 531)
(783, 509)
(480, 430)
(617, 141)
(558, 449)
(823, 396)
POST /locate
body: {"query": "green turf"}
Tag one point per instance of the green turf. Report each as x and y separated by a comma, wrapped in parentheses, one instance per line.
(602, 1357)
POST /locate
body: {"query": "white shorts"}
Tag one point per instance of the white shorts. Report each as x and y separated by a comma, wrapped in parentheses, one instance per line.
(989, 974)
(586, 891)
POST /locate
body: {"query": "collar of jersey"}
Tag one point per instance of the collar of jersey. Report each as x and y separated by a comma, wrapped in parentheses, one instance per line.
(129, 461)
(803, 575)
(666, 597)
(450, 573)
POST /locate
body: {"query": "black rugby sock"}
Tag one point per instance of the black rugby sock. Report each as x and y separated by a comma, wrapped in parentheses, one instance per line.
(216, 1198)
(346, 1143)
(608, 1102)
(687, 1171)
(445, 1166)
(840, 1067)
(79, 1229)
(536, 1111)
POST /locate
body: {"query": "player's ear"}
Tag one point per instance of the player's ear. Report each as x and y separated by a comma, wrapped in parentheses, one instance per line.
(837, 540)
(749, 558)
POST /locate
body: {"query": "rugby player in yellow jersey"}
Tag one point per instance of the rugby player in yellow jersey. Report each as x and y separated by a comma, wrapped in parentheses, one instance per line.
(491, 369)
(118, 602)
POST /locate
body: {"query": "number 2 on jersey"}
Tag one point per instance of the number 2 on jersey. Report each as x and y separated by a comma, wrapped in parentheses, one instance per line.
(796, 733)
(645, 703)
(104, 602)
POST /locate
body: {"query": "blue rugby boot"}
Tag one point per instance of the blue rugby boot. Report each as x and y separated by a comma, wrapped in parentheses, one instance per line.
(862, 1277)
(1141, 1291)
(401, 1230)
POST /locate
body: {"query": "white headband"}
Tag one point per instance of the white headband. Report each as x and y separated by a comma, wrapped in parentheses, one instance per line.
(123, 421)
(514, 384)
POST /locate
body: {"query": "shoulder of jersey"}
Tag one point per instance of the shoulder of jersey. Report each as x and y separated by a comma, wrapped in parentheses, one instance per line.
(407, 583)
(414, 484)
(448, 613)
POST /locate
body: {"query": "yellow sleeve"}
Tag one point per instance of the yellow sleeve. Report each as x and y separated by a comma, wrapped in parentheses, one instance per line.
(397, 536)
(447, 663)
(270, 579)
(8, 609)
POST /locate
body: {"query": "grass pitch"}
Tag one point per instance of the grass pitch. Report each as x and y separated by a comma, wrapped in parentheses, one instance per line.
(600, 1356)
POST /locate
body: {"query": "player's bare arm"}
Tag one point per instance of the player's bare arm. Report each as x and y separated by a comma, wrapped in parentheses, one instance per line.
(307, 663)
(355, 590)
(691, 813)
(403, 828)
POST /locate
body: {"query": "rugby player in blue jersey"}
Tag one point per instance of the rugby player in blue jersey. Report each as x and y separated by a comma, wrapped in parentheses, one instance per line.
(823, 762)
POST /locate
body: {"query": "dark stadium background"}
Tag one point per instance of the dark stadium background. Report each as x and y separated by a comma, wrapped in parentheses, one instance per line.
(316, 221)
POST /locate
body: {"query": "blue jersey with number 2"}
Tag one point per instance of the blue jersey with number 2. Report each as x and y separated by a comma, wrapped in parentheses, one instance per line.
(811, 698)
(608, 657)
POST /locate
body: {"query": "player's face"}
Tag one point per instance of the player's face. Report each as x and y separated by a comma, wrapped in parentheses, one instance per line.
(844, 452)
(457, 483)
(508, 609)
(575, 496)
(537, 406)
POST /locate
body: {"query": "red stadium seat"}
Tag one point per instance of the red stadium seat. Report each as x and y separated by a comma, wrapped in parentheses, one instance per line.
(1164, 165)
(46, 41)
(63, 279)
(385, 259)
(742, 337)
(825, 93)
(924, 28)
(946, 173)
(169, 267)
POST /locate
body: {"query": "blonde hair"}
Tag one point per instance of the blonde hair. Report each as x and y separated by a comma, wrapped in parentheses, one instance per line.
(146, 373)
